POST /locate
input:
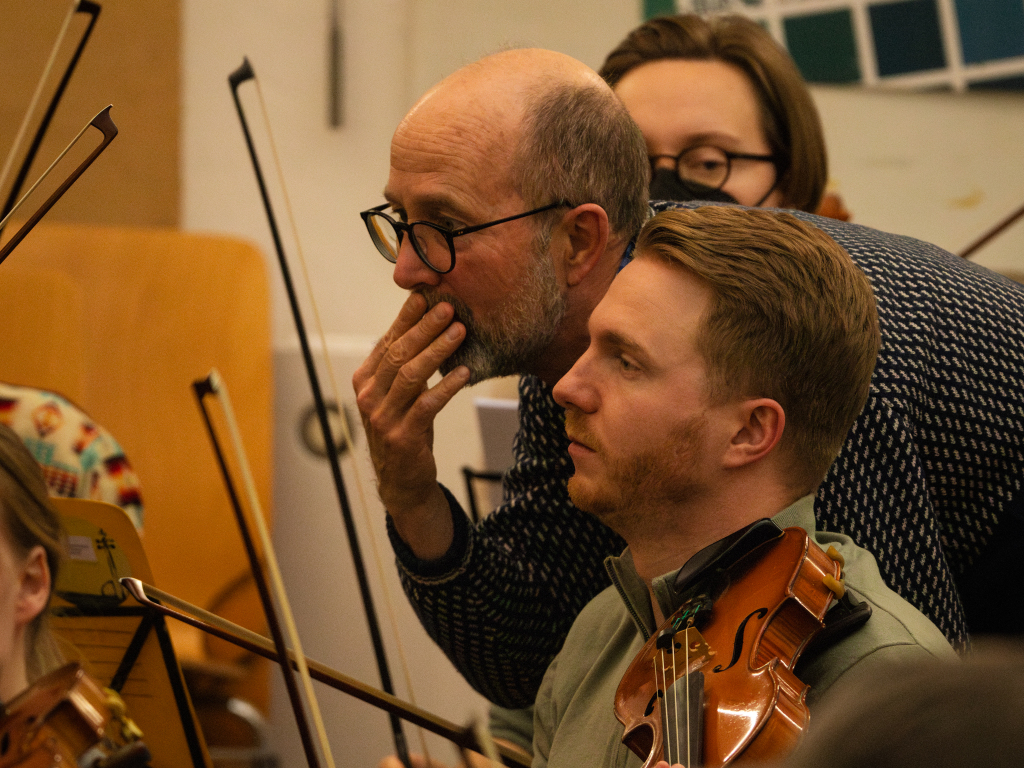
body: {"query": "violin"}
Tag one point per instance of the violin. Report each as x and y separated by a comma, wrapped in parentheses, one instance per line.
(66, 719)
(715, 684)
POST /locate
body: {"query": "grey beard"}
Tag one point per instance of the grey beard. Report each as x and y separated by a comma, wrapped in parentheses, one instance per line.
(523, 328)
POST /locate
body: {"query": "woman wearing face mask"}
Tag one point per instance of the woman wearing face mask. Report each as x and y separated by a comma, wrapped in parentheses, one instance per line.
(30, 553)
(724, 110)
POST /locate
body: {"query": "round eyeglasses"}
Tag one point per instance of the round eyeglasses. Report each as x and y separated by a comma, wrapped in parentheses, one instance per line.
(707, 164)
(434, 244)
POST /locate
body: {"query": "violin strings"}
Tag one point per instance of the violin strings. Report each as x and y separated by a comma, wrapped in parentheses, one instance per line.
(659, 686)
(686, 657)
(669, 714)
(670, 706)
(675, 699)
(343, 422)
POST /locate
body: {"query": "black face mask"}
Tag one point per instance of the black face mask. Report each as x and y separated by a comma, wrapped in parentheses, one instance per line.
(666, 185)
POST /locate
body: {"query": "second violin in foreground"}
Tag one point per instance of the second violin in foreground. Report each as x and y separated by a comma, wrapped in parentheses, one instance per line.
(66, 719)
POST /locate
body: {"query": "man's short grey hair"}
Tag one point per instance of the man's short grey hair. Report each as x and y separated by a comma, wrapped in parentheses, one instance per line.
(579, 144)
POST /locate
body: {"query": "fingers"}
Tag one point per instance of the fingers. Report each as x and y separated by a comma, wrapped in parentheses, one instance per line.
(415, 357)
(412, 334)
(396, 372)
(411, 313)
(398, 409)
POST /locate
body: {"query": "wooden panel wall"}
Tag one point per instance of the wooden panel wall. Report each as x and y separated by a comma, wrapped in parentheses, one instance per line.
(132, 62)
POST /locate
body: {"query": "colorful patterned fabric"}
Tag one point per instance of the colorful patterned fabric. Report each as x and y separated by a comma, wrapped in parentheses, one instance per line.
(78, 457)
(929, 479)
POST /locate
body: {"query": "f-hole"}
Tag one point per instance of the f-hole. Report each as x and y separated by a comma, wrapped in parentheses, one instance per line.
(737, 646)
(658, 694)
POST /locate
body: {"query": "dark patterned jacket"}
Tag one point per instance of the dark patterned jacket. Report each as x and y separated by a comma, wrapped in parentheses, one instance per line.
(929, 480)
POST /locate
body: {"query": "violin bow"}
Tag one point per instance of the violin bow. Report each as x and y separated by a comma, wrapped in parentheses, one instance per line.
(967, 252)
(466, 738)
(214, 385)
(241, 75)
(77, 6)
(211, 386)
(105, 125)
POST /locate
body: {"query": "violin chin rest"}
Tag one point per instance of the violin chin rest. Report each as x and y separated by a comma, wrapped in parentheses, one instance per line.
(842, 619)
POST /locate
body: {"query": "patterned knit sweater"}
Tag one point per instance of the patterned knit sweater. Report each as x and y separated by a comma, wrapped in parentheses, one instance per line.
(931, 469)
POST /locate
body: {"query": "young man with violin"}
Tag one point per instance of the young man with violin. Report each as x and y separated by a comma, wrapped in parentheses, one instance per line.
(500, 283)
(726, 365)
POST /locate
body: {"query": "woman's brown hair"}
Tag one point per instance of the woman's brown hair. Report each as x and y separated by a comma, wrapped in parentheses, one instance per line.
(788, 115)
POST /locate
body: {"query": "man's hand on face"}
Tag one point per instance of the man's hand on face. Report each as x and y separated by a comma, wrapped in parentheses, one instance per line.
(398, 411)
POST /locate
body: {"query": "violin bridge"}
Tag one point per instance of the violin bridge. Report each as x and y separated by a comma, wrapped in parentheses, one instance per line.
(689, 650)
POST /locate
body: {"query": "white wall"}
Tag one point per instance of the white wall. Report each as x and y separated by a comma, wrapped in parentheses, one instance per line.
(936, 166)
(395, 50)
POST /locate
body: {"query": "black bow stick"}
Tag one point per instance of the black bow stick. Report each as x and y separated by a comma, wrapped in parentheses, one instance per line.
(235, 79)
(83, 6)
(201, 389)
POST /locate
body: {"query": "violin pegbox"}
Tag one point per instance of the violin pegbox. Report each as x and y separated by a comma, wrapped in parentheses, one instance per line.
(835, 584)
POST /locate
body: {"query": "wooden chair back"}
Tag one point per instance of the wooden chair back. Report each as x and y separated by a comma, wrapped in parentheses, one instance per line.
(121, 321)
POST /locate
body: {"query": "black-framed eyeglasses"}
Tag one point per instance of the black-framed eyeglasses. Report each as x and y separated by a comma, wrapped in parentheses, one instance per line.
(707, 164)
(434, 244)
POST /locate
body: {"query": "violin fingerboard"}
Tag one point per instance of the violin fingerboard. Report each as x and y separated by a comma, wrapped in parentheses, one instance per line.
(682, 721)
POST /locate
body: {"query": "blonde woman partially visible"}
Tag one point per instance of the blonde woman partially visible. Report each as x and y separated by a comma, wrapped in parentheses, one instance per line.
(31, 548)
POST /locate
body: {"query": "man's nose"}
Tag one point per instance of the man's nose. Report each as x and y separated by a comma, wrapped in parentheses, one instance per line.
(410, 271)
(573, 390)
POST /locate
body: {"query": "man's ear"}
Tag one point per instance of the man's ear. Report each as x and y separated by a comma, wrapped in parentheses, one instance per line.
(587, 229)
(33, 586)
(761, 423)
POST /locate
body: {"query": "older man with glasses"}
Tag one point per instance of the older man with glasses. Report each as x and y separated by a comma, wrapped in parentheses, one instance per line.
(516, 187)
